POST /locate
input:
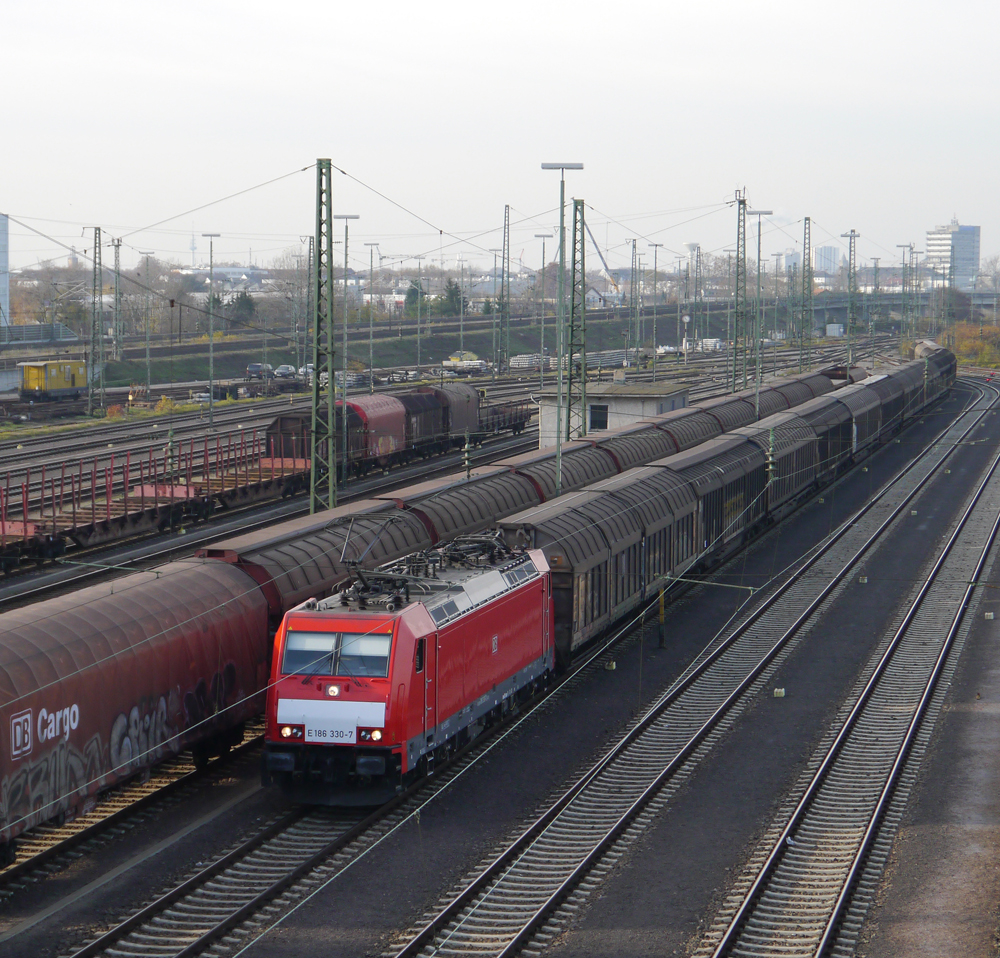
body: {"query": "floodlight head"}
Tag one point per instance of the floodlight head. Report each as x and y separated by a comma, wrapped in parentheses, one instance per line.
(543, 236)
(562, 166)
(347, 216)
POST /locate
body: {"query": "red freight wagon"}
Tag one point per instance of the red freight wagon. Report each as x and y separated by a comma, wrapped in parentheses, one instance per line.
(370, 686)
(382, 427)
(116, 677)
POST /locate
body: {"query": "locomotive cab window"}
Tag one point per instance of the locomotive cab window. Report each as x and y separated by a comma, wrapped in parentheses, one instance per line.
(336, 653)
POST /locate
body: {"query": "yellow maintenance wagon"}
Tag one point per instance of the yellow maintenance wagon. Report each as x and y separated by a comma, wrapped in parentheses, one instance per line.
(56, 379)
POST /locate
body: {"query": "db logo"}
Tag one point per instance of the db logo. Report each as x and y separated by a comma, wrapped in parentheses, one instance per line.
(20, 734)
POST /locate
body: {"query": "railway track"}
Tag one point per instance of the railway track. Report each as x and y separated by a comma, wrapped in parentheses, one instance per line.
(214, 933)
(41, 845)
(249, 889)
(101, 562)
(122, 807)
(559, 858)
(811, 893)
(524, 897)
(48, 464)
(40, 462)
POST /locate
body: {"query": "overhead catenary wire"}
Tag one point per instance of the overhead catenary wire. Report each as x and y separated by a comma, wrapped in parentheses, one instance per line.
(254, 589)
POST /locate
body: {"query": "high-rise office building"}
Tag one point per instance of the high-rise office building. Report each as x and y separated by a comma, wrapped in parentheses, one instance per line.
(826, 259)
(954, 247)
(792, 258)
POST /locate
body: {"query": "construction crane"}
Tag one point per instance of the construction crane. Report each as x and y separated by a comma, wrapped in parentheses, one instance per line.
(607, 269)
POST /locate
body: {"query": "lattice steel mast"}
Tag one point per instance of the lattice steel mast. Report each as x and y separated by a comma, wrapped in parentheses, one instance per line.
(699, 296)
(324, 425)
(504, 345)
(633, 291)
(119, 332)
(576, 393)
(873, 312)
(852, 286)
(808, 315)
(96, 339)
(740, 310)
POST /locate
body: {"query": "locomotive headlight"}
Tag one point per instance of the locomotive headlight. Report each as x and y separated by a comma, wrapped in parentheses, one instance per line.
(377, 735)
(333, 690)
(286, 731)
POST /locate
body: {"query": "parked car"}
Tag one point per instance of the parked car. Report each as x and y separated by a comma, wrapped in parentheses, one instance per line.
(284, 371)
(260, 371)
(306, 371)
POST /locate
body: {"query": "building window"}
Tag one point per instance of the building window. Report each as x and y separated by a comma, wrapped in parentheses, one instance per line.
(598, 417)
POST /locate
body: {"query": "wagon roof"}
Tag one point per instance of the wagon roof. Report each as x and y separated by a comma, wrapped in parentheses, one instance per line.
(178, 606)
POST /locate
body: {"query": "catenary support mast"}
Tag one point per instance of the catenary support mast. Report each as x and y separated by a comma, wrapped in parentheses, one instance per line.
(323, 474)
(576, 352)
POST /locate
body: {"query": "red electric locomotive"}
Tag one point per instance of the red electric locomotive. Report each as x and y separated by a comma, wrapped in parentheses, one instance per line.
(402, 665)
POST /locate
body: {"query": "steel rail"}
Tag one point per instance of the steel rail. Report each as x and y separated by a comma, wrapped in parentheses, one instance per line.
(436, 784)
(496, 870)
(825, 768)
(904, 751)
(282, 512)
(116, 807)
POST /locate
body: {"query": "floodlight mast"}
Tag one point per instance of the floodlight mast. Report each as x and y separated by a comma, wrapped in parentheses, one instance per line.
(561, 309)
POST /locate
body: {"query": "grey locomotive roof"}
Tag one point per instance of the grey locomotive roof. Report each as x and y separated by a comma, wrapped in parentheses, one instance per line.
(461, 590)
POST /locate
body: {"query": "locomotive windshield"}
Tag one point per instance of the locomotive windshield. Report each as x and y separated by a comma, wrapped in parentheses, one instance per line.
(336, 653)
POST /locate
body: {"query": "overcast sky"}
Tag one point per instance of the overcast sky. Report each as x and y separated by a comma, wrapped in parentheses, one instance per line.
(879, 117)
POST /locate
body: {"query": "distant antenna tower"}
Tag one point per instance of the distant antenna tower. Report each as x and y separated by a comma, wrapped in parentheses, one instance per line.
(194, 248)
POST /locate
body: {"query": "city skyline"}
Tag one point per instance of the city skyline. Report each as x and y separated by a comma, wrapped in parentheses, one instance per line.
(664, 125)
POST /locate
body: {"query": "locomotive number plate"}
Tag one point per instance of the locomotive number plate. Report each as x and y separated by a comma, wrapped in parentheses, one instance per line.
(331, 723)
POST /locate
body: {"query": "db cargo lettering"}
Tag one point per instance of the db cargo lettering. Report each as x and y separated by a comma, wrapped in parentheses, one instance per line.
(20, 734)
(53, 724)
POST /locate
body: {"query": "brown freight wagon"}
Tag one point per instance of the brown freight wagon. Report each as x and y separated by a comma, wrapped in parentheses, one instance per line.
(118, 676)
